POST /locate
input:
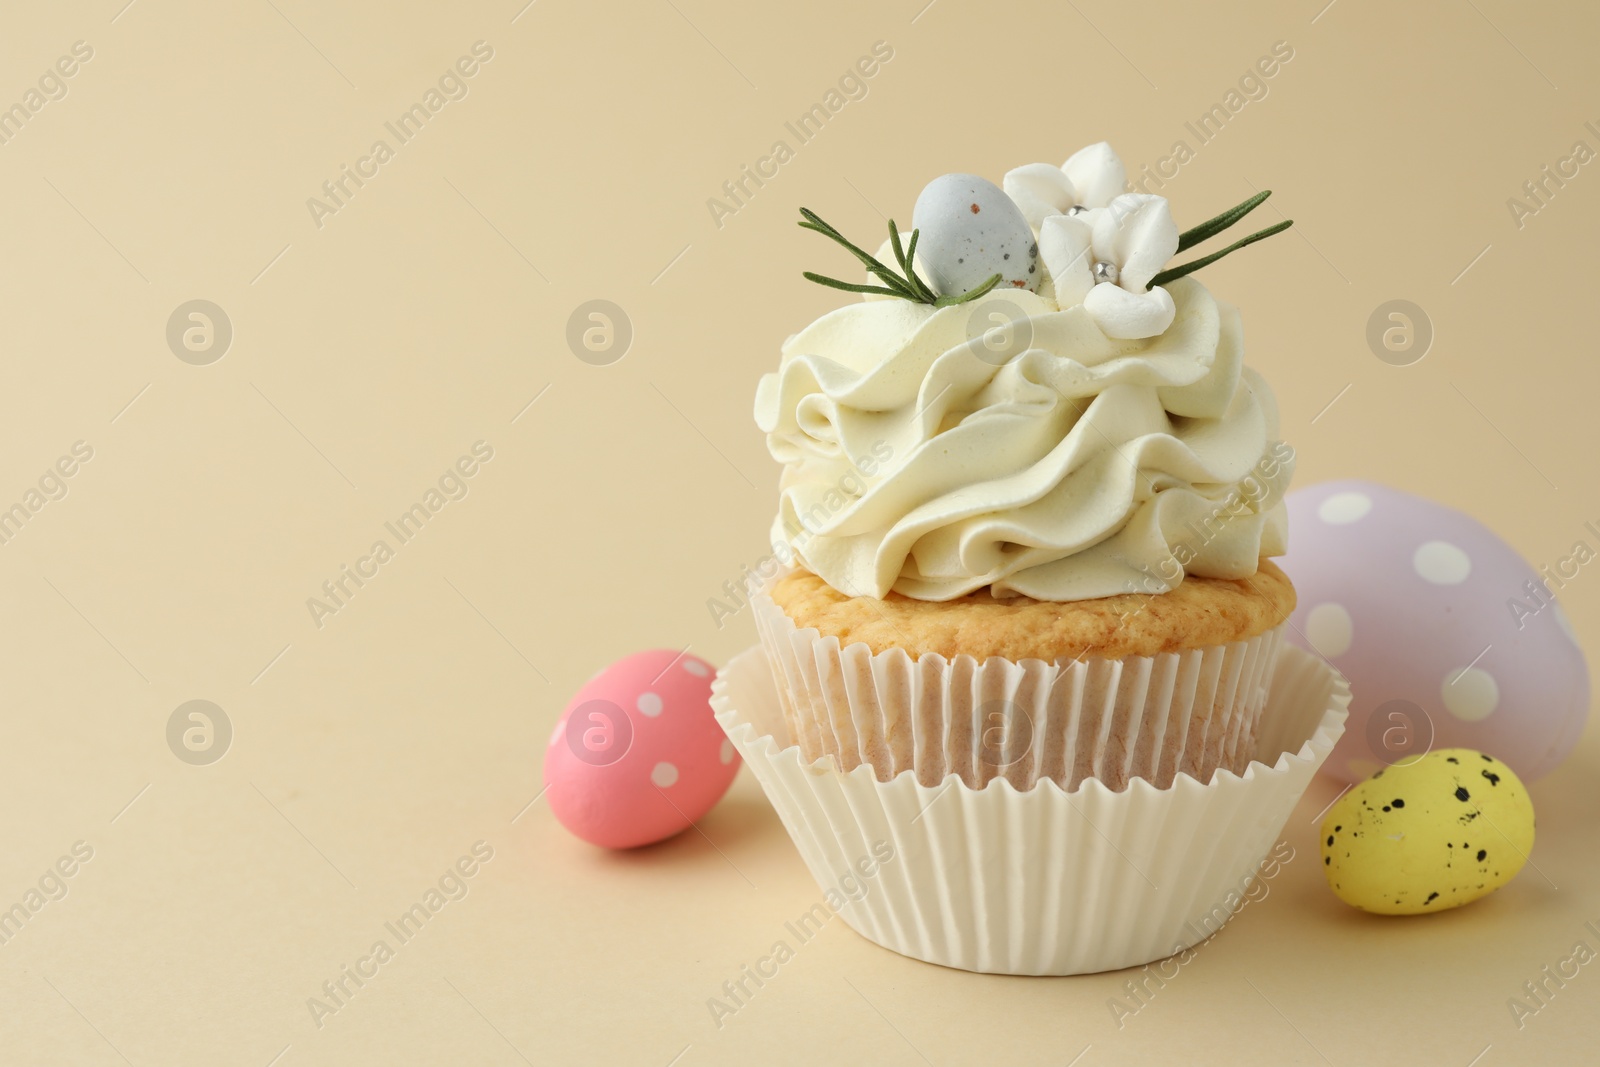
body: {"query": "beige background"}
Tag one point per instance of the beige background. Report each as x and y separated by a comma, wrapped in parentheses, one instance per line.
(431, 309)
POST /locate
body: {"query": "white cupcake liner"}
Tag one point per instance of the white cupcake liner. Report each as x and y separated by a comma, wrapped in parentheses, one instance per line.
(1115, 720)
(1042, 881)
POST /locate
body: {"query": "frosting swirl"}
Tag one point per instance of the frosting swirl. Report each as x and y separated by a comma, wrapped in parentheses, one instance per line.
(1071, 467)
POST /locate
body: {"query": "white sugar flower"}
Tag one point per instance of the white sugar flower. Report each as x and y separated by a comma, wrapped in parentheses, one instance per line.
(1090, 179)
(1104, 259)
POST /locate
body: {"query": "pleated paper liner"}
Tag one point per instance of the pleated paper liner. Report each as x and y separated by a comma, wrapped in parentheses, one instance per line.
(1112, 720)
(1040, 881)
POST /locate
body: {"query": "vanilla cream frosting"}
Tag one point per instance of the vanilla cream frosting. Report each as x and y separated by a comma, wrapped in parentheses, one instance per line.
(1072, 465)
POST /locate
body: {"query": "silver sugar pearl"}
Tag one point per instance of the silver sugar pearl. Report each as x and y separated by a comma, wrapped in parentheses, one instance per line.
(1077, 209)
(1105, 272)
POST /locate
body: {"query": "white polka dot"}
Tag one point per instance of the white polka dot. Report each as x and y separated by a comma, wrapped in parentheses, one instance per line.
(1341, 509)
(1329, 629)
(1565, 623)
(1470, 695)
(664, 775)
(1441, 563)
(695, 667)
(648, 704)
(727, 751)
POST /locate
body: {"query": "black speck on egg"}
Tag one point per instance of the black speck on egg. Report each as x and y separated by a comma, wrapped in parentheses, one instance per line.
(1006, 256)
(1451, 759)
(1378, 775)
(1494, 779)
(1482, 854)
(1386, 807)
(1397, 802)
(1336, 829)
(1330, 839)
(1462, 794)
(1486, 759)
(1431, 897)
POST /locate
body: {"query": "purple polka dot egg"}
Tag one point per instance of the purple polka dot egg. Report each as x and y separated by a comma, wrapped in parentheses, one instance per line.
(638, 756)
(1449, 638)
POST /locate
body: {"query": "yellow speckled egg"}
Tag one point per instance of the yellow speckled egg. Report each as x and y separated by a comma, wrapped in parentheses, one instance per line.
(1430, 834)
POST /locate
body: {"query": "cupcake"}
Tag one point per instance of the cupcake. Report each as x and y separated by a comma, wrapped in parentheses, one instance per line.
(1029, 497)
(1042, 508)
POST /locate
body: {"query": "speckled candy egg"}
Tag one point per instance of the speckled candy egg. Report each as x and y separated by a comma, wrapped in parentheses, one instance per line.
(637, 755)
(1448, 637)
(1432, 833)
(968, 231)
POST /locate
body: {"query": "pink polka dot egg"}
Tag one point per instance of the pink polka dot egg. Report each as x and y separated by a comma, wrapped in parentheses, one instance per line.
(1449, 638)
(637, 756)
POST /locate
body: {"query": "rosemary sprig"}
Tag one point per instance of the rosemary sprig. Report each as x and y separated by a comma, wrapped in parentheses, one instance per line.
(1211, 227)
(907, 258)
(906, 286)
(1189, 268)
